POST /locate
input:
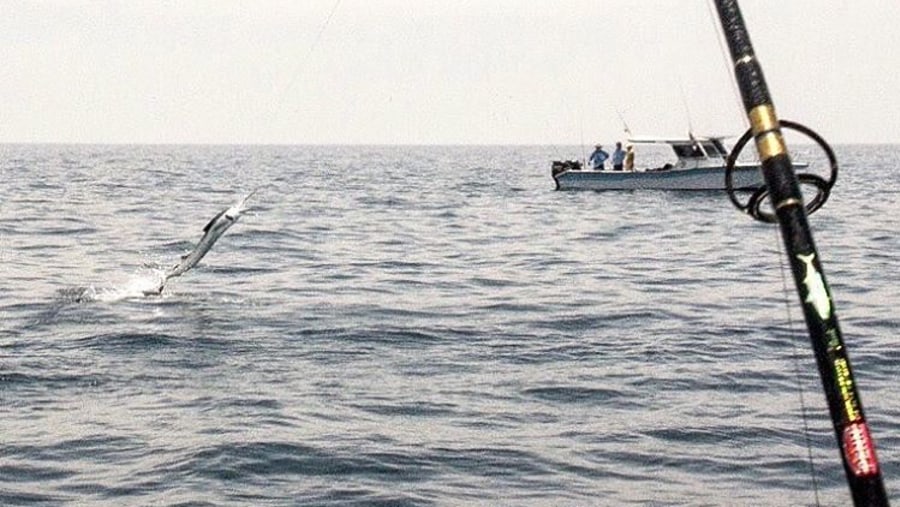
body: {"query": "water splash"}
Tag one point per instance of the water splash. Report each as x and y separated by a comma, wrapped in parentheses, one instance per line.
(135, 287)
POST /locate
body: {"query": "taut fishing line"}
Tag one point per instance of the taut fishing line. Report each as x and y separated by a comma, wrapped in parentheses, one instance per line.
(752, 207)
(720, 38)
(301, 65)
(804, 413)
(781, 189)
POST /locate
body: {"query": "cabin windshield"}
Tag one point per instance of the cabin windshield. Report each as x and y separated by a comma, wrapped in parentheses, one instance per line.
(701, 149)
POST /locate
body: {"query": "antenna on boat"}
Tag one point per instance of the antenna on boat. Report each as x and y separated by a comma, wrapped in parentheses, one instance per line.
(624, 123)
(687, 111)
(583, 150)
(782, 186)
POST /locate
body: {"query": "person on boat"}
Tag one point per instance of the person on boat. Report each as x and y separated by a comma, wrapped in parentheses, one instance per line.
(618, 157)
(629, 158)
(598, 158)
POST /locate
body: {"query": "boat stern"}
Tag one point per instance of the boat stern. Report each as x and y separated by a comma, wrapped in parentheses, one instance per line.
(561, 166)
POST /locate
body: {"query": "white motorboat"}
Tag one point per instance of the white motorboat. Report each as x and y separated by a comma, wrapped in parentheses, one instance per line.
(699, 165)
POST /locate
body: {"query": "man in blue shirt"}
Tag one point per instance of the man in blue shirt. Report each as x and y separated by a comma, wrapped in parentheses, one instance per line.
(618, 157)
(598, 158)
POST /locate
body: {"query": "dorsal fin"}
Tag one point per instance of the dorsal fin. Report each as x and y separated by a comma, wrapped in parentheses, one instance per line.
(211, 222)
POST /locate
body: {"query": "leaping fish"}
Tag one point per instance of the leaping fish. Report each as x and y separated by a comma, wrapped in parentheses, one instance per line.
(211, 233)
(817, 294)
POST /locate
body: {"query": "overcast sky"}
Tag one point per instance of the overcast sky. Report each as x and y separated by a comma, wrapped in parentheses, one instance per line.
(433, 71)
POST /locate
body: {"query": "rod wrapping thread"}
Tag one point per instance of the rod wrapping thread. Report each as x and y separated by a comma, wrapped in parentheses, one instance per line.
(748, 72)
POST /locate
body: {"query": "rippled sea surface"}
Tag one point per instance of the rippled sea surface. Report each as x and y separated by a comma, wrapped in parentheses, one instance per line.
(423, 326)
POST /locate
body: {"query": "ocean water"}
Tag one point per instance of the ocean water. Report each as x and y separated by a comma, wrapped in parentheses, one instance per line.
(423, 326)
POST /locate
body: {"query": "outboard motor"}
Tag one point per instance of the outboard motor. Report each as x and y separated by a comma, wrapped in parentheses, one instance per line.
(560, 166)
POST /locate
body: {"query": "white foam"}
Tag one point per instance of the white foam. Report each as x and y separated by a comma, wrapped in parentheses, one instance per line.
(135, 287)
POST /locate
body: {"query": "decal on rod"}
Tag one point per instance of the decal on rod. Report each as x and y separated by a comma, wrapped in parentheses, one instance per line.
(816, 294)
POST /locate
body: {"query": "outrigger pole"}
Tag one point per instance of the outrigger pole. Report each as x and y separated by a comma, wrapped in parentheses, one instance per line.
(783, 188)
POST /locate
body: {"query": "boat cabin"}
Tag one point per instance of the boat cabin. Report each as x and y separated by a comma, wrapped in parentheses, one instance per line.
(691, 152)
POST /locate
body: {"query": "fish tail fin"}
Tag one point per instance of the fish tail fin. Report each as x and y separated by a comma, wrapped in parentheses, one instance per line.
(157, 290)
(806, 258)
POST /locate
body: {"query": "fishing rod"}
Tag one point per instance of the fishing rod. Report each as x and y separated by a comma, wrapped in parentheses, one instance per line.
(782, 188)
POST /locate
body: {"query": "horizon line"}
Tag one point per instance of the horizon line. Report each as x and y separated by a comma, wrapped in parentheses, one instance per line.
(345, 144)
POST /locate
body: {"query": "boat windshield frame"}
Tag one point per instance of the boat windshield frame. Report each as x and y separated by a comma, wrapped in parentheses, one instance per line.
(706, 148)
(690, 147)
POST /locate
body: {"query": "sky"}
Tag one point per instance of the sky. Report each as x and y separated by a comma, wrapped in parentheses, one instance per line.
(540, 72)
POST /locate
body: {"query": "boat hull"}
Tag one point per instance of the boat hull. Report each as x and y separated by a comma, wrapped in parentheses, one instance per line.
(707, 178)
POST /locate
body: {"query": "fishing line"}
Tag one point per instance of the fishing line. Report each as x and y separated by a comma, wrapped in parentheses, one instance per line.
(301, 65)
(720, 38)
(555, 146)
(851, 430)
(797, 369)
(583, 150)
